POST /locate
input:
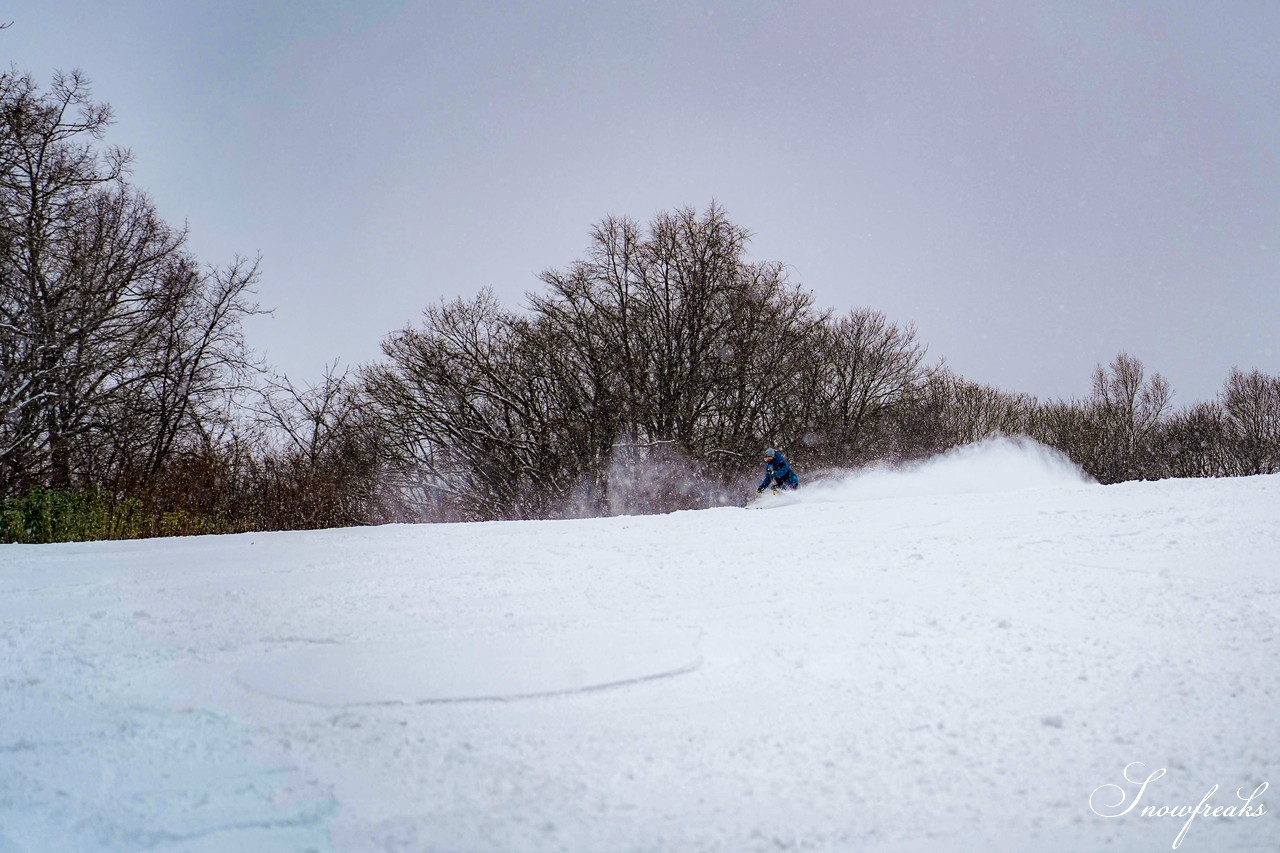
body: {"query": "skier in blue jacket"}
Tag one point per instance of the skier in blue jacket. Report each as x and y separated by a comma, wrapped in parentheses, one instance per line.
(777, 469)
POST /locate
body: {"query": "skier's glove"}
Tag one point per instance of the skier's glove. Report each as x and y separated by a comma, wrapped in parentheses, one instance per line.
(759, 491)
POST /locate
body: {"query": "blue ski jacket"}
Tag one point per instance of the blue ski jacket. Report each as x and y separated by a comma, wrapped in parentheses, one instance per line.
(779, 469)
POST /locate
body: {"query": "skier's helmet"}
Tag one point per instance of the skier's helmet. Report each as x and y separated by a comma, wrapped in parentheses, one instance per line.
(770, 453)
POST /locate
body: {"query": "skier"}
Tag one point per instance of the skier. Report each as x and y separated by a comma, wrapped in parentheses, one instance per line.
(777, 469)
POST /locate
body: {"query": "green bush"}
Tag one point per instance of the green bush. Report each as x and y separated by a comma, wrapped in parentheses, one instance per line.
(56, 515)
(180, 522)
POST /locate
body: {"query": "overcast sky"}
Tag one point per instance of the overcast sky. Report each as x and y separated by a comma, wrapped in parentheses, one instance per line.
(1037, 186)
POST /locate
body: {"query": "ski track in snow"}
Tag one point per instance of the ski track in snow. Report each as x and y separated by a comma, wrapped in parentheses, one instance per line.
(928, 665)
(452, 668)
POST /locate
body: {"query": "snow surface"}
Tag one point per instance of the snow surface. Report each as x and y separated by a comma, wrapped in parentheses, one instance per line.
(951, 657)
(451, 668)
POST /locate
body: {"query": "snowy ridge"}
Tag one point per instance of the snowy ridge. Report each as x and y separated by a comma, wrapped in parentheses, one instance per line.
(951, 657)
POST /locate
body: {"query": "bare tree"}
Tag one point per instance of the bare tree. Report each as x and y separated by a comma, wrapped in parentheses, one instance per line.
(663, 342)
(680, 344)
(682, 326)
(1194, 443)
(117, 352)
(115, 348)
(1126, 407)
(186, 376)
(1251, 407)
(83, 270)
(868, 373)
(466, 417)
(971, 411)
(322, 461)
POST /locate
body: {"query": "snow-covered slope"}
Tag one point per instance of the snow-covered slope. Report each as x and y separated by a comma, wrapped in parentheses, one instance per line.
(952, 657)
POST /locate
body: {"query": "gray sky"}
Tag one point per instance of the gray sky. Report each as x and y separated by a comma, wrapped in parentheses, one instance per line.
(1036, 185)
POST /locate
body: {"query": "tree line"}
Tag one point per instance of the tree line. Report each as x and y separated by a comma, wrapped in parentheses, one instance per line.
(645, 376)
